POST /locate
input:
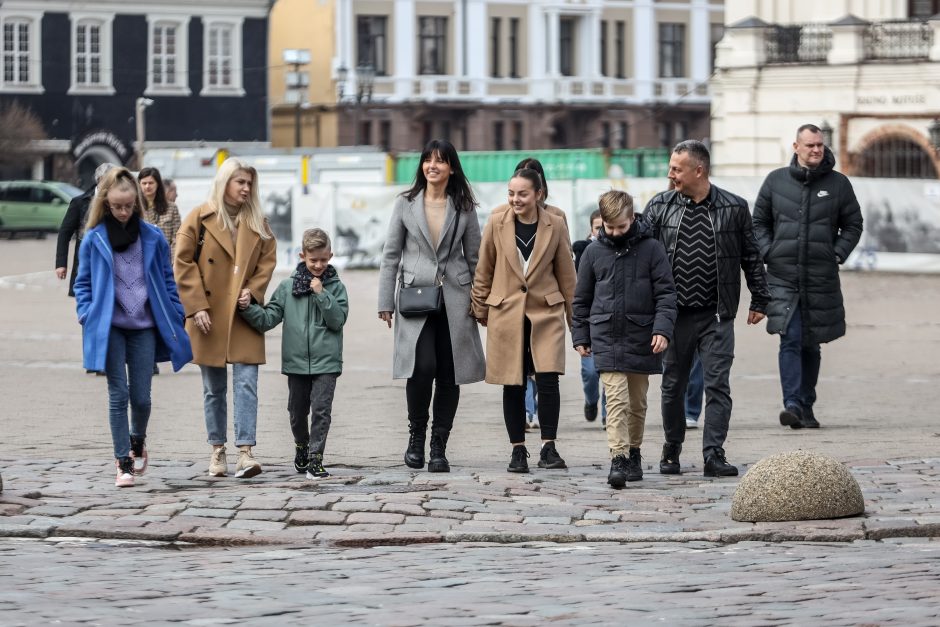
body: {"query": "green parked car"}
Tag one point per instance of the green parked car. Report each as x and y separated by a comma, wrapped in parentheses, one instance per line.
(34, 206)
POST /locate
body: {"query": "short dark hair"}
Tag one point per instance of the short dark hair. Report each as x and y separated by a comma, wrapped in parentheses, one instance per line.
(812, 128)
(594, 216)
(697, 150)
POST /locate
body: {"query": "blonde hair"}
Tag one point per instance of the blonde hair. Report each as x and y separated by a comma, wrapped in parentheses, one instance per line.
(250, 213)
(315, 239)
(116, 178)
(614, 204)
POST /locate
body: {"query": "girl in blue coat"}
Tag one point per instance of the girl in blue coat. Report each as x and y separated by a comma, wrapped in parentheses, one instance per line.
(129, 310)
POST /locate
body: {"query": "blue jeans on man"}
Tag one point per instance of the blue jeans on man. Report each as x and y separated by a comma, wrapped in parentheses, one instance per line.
(799, 363)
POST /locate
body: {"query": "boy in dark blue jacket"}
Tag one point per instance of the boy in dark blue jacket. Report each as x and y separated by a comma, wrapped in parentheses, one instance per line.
(624, 313)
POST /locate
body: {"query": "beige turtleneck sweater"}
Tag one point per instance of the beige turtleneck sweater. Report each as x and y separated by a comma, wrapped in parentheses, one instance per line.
(434, 212)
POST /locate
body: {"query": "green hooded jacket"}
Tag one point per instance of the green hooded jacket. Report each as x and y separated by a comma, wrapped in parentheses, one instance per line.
(312, 339)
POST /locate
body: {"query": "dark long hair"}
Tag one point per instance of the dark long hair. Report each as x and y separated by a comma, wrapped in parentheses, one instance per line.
(458, 187)
(534, 164)
(160, 204)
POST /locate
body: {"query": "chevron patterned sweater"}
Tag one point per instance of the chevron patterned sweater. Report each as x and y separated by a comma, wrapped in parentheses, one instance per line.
(695, 264)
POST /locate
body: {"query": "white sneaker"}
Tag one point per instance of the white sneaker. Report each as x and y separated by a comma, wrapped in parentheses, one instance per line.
(691, 423)
(125, 476)
(246, 466)
(532, 422)
(140, 463)
(218, 467)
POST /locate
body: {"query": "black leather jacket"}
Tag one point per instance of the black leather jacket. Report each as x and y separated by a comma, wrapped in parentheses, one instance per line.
(734, 242)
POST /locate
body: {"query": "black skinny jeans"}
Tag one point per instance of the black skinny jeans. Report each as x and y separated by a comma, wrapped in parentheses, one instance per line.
(434, 361)
(549, 397)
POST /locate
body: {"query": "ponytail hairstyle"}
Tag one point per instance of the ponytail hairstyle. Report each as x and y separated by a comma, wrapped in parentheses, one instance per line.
(458, 187)
(160, 204)
(533, 177)
(531, 163)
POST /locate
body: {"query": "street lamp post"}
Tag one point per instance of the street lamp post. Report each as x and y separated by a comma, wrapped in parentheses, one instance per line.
(297, 82)
(139, 106)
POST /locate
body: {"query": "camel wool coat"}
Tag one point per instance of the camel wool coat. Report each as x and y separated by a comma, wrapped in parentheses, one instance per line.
(214, 283)
(504, 296)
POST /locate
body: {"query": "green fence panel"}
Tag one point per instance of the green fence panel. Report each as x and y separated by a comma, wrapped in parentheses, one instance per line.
(642, 162)
(495, 166)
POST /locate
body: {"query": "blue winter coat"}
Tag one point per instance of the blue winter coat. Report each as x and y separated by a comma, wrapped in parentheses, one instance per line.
(94, 297)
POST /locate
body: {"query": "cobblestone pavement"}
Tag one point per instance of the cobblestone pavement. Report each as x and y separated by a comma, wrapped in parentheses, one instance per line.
(751, 583)
(363, 506)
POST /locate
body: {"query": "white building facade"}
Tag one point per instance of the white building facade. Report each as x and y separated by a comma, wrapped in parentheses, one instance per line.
(526, 74)
(866, 71)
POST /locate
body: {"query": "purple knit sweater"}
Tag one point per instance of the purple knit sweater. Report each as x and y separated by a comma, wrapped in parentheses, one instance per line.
(131, 309)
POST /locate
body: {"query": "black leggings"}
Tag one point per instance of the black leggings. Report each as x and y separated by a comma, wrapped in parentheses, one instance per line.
(549, 397)
(434, 360)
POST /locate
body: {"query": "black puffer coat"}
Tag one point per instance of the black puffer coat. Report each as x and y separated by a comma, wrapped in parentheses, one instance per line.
(806, 223)
(734, 241)
(623, 297)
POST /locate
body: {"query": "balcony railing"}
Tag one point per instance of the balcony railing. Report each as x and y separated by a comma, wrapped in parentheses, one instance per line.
(898, 40)
(802, 43)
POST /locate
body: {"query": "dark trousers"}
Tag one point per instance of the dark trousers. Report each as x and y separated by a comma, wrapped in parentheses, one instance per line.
(434, 362)
(799, 365)
(311, 395)
(699, 330)
(549, 397)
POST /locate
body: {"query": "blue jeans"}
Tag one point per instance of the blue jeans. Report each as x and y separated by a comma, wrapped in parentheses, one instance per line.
(694, 391)
(129, 367)
(591, 384)
(531, 402)
(214, 388)
(799, 365)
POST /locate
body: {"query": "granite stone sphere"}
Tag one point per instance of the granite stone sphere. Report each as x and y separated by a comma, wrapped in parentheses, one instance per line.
(798, 485)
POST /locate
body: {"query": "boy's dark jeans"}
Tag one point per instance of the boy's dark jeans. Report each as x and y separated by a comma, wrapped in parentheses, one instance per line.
(306, 392)
(699, 329)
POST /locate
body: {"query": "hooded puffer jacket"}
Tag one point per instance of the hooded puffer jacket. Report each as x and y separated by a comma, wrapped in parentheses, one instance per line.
(806, 223)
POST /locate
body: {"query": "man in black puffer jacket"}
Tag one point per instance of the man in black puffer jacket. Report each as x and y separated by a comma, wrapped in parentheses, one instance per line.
(709, 238)
(807, 222)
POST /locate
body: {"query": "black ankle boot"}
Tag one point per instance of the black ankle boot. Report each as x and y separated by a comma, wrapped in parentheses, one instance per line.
(414, 454)
(437, 462)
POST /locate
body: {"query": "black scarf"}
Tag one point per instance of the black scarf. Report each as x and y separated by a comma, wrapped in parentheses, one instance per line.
(622, 240)
(302, 281)
(120, 235)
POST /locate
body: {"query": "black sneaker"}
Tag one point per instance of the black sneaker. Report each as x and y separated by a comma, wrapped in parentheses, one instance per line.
(669, 464)
(634, 465)
(300, 457)
(617, 477)
(792, 417)
(717, 466)
(590, 412)
(809, 419)
(549, 457)
(315, 469)
(518, 463)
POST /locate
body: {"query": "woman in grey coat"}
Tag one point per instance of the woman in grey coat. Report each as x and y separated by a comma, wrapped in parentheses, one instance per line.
(433, 236)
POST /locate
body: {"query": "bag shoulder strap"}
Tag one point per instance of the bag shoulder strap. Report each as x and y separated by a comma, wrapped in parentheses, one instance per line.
(200, 241)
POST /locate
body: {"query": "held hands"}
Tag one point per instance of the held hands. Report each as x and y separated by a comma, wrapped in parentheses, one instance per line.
(244, 298)
(60, 272)
(316, 285)
(659, 344)
(202, 321)
(482, 321)
(584, 351)
(753, 317)
(384, 316)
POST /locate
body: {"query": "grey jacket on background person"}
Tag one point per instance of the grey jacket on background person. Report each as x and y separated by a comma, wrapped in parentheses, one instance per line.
(807, 222)
(410, 255)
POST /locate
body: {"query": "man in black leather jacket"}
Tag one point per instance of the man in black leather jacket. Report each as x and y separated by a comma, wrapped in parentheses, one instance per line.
(709, 239)
(807, 221)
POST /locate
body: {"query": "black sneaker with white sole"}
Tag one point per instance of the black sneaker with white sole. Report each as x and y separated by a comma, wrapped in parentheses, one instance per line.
(300, 457)
(315, 469)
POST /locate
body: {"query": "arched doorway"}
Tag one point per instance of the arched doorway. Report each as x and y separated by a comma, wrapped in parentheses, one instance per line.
(895, 156)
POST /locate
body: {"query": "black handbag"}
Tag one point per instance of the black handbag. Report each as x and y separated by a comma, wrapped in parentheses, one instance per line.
(421, 300)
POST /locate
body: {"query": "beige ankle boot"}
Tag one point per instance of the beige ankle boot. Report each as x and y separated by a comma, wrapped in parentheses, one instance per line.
(247, 466)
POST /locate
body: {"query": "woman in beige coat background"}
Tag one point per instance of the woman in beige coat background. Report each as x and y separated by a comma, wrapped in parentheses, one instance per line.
(225, 254)
(522, 293)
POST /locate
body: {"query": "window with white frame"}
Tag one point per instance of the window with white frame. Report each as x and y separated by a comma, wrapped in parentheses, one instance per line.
(222, 59)
(19, 46)
(167, 56)
(91, 53)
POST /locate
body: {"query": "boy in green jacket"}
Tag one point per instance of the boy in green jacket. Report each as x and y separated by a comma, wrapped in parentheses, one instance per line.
(314, 307)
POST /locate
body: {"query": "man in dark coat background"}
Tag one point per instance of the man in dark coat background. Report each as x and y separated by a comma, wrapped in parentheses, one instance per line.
(73, 225)
(807, 221)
